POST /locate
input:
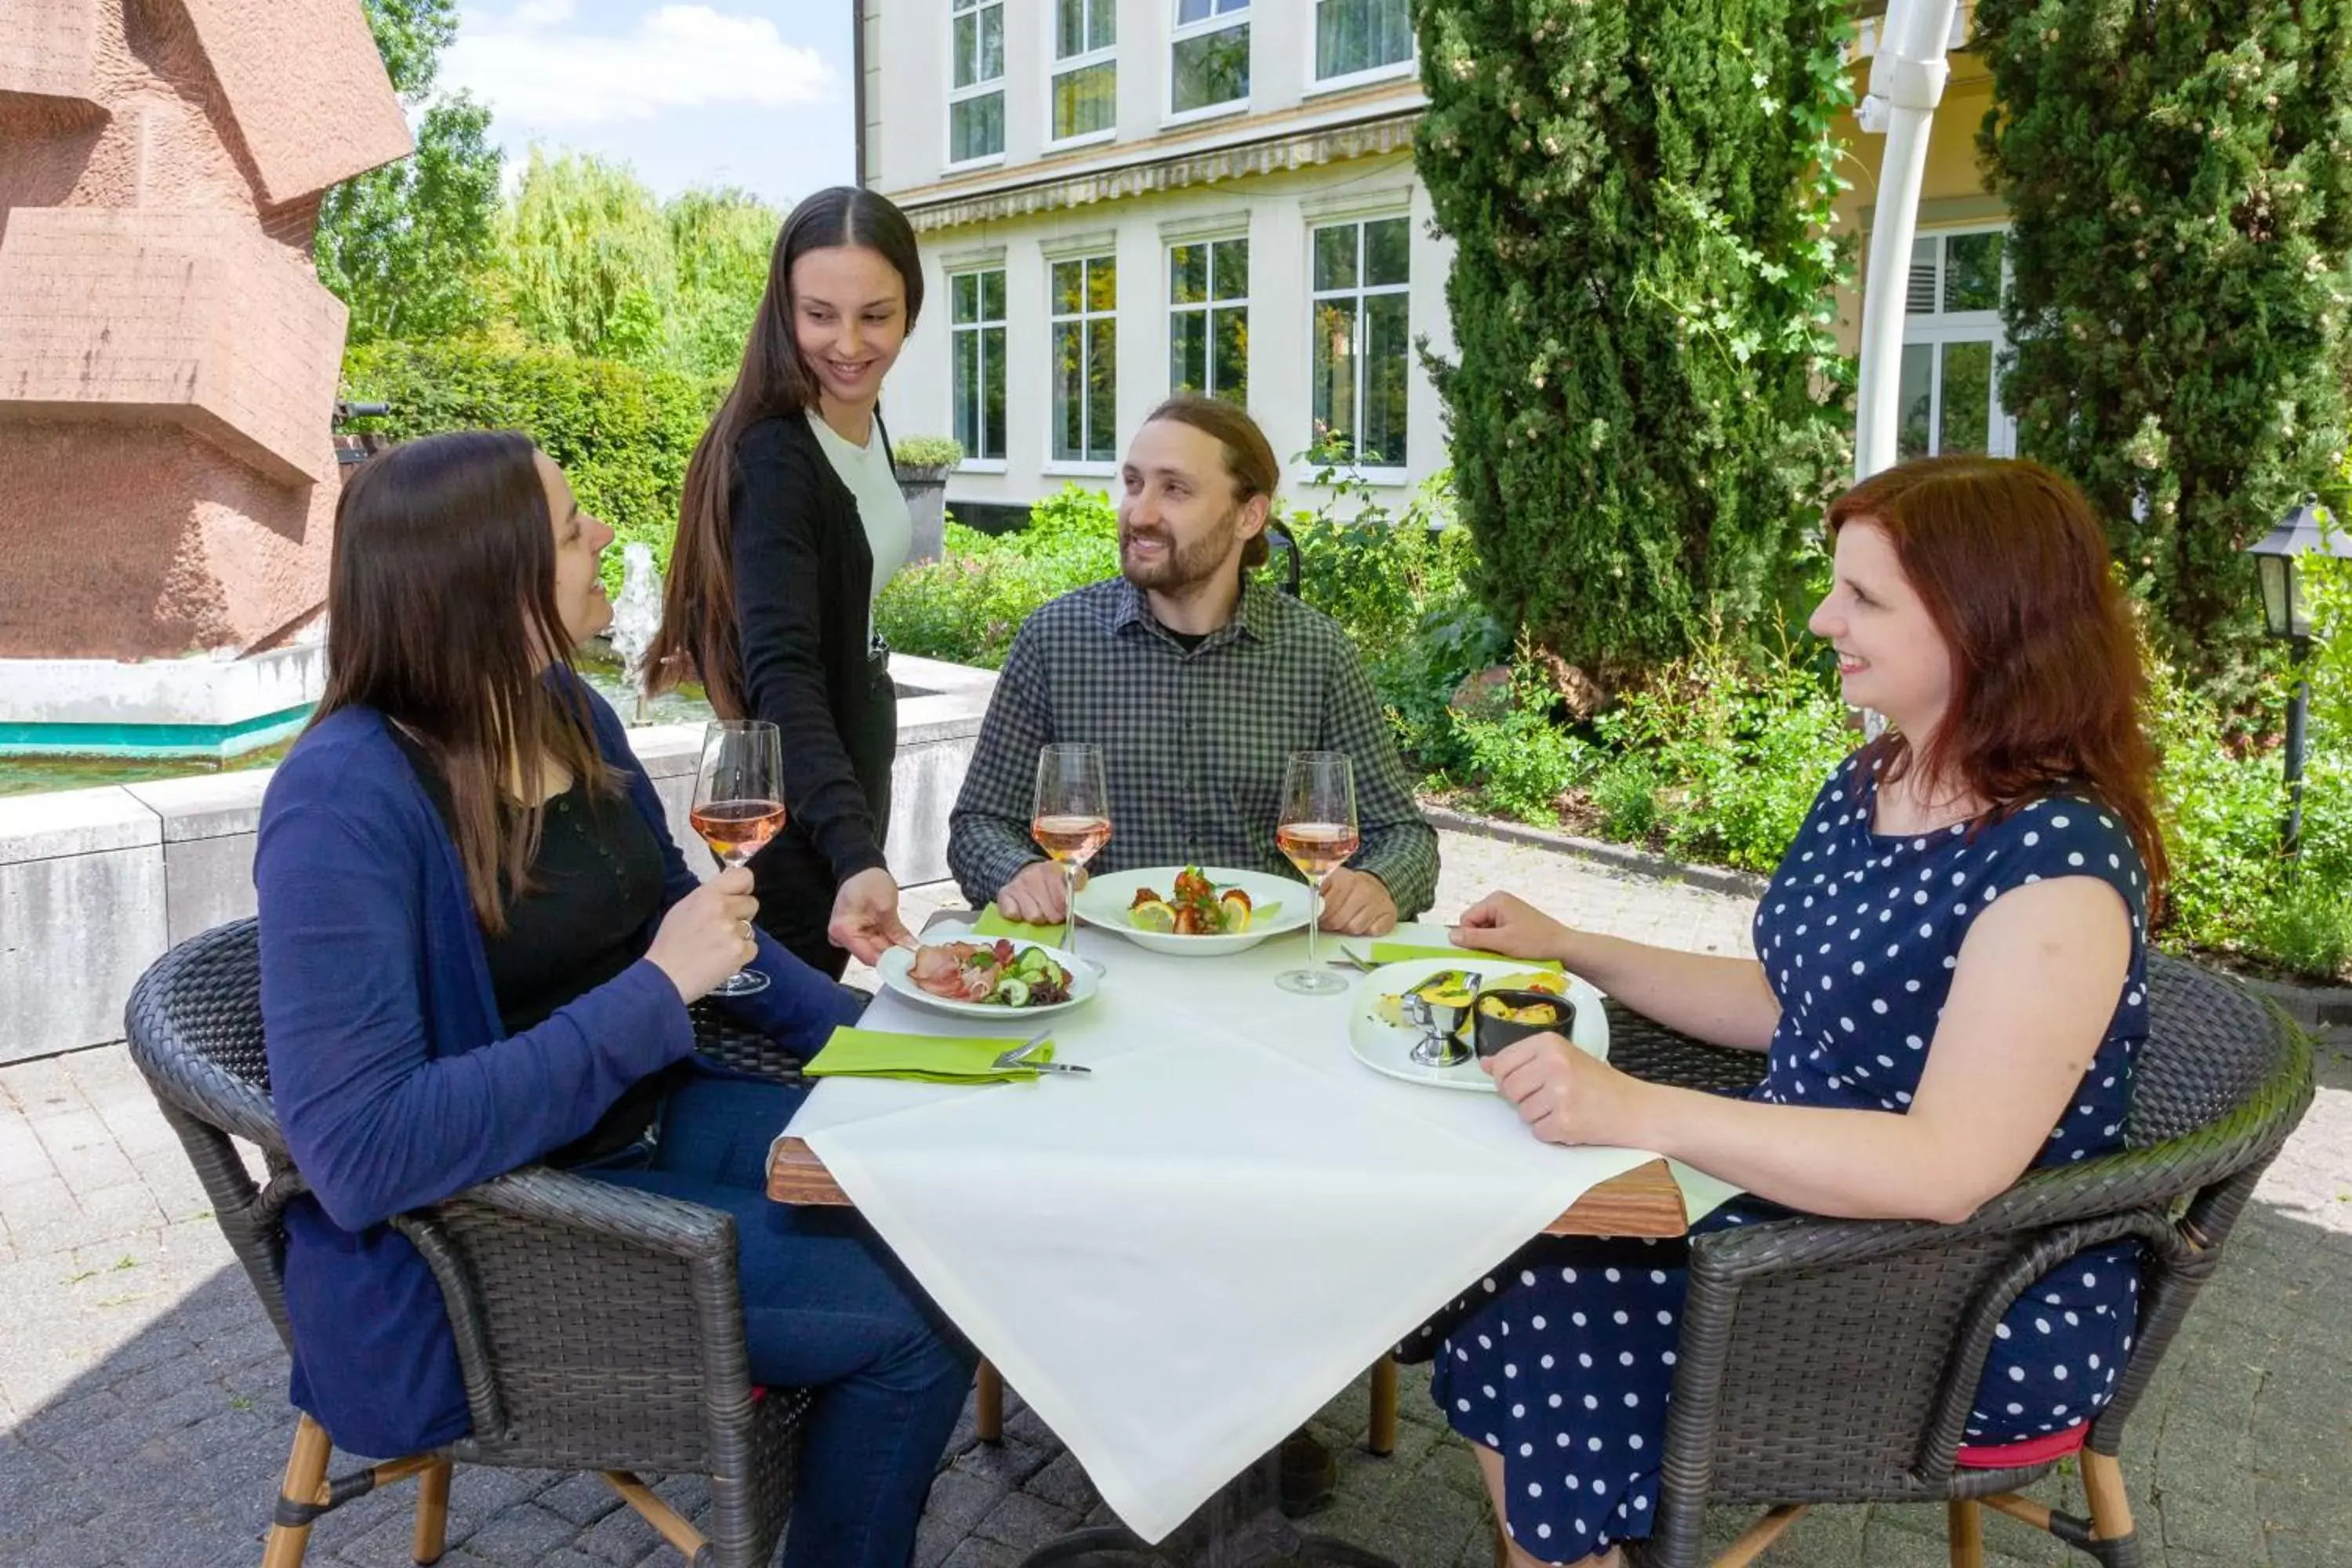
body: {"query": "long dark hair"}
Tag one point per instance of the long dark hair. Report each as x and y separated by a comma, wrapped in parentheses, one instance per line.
(441, 616)
(2047, 684)
(698, 633)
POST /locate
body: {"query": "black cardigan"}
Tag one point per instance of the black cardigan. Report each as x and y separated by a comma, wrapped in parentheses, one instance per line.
(803, 584)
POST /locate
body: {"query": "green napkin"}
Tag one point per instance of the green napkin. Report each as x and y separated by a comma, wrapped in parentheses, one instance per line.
(1399, 951)
(993, 922)
(925, 1058)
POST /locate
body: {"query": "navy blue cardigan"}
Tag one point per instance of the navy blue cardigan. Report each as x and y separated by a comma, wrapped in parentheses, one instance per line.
(394, 1082)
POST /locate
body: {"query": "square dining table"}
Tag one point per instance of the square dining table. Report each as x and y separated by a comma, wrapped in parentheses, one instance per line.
(1179, 1258)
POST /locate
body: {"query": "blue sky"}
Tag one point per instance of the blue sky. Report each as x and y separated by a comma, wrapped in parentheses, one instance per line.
(755, 93)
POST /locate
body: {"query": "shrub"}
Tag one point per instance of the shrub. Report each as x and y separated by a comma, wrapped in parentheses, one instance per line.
(967, 606)
(1519, 762)
(622, 434)
(1648, 406)
(928, 452)
(2307, 929)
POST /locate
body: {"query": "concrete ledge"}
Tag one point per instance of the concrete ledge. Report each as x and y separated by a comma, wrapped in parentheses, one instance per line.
(96, 884)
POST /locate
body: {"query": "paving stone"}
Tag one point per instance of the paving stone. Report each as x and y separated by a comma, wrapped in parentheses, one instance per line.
(1010, 1463)
(521, 1534)
(960, 1499)
(621, 1536)
(1063, 1482)
(976, 1552)
(1027, 1523)
(582, 1498)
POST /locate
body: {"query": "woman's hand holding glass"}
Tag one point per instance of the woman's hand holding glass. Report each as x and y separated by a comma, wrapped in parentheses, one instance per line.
(706, 935)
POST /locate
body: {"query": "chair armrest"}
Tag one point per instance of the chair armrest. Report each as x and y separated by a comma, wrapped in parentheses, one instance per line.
(733, 1044)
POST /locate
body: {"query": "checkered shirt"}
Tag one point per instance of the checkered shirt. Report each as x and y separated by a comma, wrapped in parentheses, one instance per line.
(1193, 742)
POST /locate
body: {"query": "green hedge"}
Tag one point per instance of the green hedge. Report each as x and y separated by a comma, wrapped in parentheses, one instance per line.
(622, 435)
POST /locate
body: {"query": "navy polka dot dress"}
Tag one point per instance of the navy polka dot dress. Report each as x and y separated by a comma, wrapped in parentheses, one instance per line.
(1563, 1361)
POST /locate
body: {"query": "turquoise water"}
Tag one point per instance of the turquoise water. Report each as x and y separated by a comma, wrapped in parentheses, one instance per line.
(36, 775)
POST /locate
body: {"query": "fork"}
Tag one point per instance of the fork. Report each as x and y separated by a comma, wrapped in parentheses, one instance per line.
(1349, 959)
(1018, 1057)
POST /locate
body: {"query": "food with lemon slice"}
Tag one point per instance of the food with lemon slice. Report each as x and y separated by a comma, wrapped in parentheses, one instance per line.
(1199, 907)
(1455, 988)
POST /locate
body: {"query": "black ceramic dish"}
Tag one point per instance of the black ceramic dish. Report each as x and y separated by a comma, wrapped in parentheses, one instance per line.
(1489, 1034)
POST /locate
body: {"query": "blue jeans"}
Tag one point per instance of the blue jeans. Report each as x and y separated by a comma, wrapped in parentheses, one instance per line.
(825, 1308)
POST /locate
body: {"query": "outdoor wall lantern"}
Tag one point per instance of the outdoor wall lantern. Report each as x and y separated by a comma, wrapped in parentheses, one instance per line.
(2308, 529)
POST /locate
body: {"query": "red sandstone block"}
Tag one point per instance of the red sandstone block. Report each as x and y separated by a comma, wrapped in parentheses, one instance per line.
(45, 48)
(190, 318)
(337, 119)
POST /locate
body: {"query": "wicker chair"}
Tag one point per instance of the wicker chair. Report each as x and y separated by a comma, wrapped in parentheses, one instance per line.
(1834, 1360)
(598, 1327)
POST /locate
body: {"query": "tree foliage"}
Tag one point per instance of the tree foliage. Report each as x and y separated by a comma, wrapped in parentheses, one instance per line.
(720, 241)
(1647, 406)
(404, 246)
(2179, 175)
(586, 258)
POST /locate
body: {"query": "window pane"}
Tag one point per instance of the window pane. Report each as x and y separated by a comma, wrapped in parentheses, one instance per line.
(1069, 28)
(1102, 284)
(1972, 272)
(965, 292)
(992, 296)
(1387, 249)
(1188, 352)
(1360, 34)
(1102, 24)
(1335, 258)
(1189, 11)
(967, 51)
(1069, 284)
(976, 127)
(1335, 373)
(1227, 7)
(1085, 101)
(1102, 391)
(1920, 298)
(1967, 422)
(992, 43)
(1188, 274)
(1913, 400)
(1069, 391)
(1232, 260)
(1387, 362)
(993, 368)
(1229, 375)
(965, 374)
(1211, 68)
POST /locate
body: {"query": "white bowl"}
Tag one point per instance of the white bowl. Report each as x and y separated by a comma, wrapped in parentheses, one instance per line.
(1387, 1048)
(896, 961)
(1104, 901)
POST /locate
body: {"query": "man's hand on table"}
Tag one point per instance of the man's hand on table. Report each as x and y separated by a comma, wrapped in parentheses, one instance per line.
(1037, 895)
(1357, 904)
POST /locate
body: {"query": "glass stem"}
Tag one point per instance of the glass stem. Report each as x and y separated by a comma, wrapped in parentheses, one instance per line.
(1070, 906)
(1313, 916)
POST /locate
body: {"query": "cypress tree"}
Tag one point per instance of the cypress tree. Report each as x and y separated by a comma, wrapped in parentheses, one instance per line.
(2179, 178)
(1647, 406)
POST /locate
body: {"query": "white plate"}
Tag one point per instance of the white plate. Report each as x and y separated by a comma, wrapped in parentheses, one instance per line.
(1388, 1048)
(895, 962)
(1104, 901)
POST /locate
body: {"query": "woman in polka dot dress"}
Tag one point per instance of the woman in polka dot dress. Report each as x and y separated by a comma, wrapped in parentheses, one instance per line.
(1949, 986)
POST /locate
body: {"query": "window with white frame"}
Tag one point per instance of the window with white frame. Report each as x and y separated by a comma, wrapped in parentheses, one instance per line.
(1209, 55)
(976, 351)
(1362, 343)
(1085, 333)
(976, 91)
(1085, 67)
(1208, 318)
(1949, 400)
(1352, 37)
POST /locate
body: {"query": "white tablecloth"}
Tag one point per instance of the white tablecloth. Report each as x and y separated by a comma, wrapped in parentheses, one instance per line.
(1179, 1259)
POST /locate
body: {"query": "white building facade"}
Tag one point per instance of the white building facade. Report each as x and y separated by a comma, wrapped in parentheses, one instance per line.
(1121, 198)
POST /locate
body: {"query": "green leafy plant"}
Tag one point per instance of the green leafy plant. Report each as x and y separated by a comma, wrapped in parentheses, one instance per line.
(1648, 405)
(928, 452)
(1517, 758)
(967, 606)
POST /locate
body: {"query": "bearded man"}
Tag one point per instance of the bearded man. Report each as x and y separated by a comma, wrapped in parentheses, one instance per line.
(1197, 680)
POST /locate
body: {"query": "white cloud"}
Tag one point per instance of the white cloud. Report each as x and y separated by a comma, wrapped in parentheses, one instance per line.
(531, 66)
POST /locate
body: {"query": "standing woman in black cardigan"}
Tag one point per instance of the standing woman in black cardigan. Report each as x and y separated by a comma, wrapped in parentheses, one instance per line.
(790, 523)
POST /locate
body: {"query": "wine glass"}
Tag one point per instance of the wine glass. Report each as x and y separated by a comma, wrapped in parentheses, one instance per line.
(1071, 818)
(739, 805)
(1317, 832)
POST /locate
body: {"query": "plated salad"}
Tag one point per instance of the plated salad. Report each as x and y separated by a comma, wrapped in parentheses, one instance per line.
(999, 973)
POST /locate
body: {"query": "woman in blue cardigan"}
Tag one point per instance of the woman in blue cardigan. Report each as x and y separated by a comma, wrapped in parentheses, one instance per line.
(477, 947)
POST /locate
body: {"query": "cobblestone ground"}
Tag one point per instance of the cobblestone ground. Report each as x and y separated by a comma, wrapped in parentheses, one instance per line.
(144, 1421)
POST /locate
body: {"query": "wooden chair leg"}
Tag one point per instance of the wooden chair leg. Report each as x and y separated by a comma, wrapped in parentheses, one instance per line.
(989, 1418)
(306, 1472)
(1964, 1523)
(432, 1513)
(668, 1523)
(1757, 1537)
(1384, 1406)
(2102, 1482)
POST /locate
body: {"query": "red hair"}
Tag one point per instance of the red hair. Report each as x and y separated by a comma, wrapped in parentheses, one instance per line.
(2047, 684)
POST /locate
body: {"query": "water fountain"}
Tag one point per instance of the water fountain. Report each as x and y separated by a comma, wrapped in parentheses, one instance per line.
(637, 616)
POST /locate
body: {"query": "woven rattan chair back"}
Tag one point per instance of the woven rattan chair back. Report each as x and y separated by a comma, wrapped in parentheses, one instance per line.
(1830, 1361)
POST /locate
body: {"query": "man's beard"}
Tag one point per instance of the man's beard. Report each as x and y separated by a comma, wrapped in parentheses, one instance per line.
(1182, 566)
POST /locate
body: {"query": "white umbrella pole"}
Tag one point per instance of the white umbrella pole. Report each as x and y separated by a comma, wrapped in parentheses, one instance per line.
(1906, 83)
